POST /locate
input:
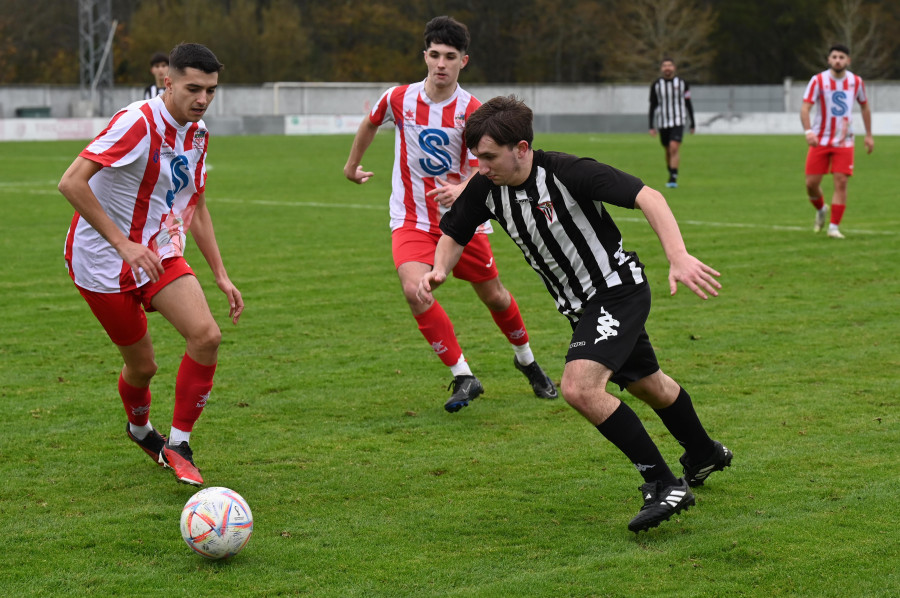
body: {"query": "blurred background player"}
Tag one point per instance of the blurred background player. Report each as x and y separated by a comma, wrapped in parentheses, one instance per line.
(431, 166)
(670, 105)
(137, 189)
(830, 137)
(159, 68)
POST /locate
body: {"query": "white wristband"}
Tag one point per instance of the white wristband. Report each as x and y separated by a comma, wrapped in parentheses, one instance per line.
(807, 131)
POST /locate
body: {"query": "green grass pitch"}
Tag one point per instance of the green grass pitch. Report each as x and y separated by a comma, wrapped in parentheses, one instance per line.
(327, 411)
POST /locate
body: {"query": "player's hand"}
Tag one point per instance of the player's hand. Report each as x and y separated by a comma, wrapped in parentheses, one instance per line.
(141, 257)
(358, 175)
(695, 275)
(235, 301)
(869, 143)
(811, 138)
(431, 281)
(653, 132)
(445, 193)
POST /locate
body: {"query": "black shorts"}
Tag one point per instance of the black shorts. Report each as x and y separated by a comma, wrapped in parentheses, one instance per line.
(611, 331)
(671, 134)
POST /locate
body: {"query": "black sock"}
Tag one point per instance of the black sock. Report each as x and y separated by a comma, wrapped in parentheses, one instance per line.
(682, 422)
(624, 429)
(674, 173)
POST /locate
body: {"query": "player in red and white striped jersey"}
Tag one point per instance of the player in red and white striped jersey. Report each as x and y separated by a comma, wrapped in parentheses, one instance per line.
(431, 167)
(137, 189)
(830, 136)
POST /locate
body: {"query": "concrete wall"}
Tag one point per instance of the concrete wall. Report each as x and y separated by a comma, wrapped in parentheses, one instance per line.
(312, 108)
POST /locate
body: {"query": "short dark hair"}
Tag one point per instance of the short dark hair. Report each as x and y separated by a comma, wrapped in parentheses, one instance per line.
(447, 30)
(195, 56)
(839, 48)
(506, 120)
(666, 59)
(159, 57)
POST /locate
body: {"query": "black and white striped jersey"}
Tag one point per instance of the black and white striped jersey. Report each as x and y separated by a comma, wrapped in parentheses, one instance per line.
(670, 103)
(558, 220)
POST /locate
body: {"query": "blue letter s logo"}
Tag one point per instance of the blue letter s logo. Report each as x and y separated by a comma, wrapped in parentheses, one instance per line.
(839, 101)
(180, 178)
(431, 140)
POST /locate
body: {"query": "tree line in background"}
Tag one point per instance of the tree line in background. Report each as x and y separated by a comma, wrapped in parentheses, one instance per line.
(513, 41)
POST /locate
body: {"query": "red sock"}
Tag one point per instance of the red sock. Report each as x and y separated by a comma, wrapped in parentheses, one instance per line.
(192, 387)
(136, 401)
(510, 322)
(818, 202)
(437, 329)
(837, 212)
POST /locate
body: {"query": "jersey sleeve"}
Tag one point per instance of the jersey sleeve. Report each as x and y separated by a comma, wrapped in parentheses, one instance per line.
(861, 96)
(121, 142)
(468, 157)
(381, 112)
(654, 103)
(469, 210)
(812, 91)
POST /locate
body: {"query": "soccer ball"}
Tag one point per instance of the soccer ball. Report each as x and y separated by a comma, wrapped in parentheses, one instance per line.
(216, 523)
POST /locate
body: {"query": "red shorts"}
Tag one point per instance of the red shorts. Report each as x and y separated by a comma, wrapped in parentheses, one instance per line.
(825, 160)
(414, 245)
(121, 314)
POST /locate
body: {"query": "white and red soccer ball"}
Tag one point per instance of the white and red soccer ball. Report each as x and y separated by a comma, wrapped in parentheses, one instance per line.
(216, 523)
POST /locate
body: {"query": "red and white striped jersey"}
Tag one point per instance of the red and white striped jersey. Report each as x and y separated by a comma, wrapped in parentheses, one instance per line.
(428, 144)
(833, 99)
(154, 171)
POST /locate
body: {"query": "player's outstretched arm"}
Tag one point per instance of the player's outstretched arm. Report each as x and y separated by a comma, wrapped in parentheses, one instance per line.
(204, 235)
(683, 267)
(365, 134)
(446, 257)
(75, 188)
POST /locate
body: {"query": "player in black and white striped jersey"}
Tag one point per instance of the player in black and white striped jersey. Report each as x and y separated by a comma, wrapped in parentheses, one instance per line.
(670, 107)
(552, 205)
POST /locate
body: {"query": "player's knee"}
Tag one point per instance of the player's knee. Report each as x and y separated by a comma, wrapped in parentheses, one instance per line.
(410, 292)
(142, 372)
(494, 295)
(207, 339)
(574, 392)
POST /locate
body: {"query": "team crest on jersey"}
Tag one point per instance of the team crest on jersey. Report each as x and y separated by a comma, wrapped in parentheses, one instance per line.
(409, 116)
(199, 139)
(460, 120)
(547, 208)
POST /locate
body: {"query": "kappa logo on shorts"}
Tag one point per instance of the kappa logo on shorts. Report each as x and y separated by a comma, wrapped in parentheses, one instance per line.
(606, 326)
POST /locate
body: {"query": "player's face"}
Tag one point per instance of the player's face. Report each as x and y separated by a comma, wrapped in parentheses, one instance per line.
(667, 69)
(189, 94)
(159, 71)
(838, 61)
(444, 63)
(502, 164)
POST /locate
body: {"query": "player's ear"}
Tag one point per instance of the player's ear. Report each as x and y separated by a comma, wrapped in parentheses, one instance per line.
(465, 61)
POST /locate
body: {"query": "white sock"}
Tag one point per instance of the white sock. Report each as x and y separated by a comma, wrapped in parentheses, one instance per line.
(832, 226)
(523, 354)
(140, 432)
(461, 368)
(177, 436)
